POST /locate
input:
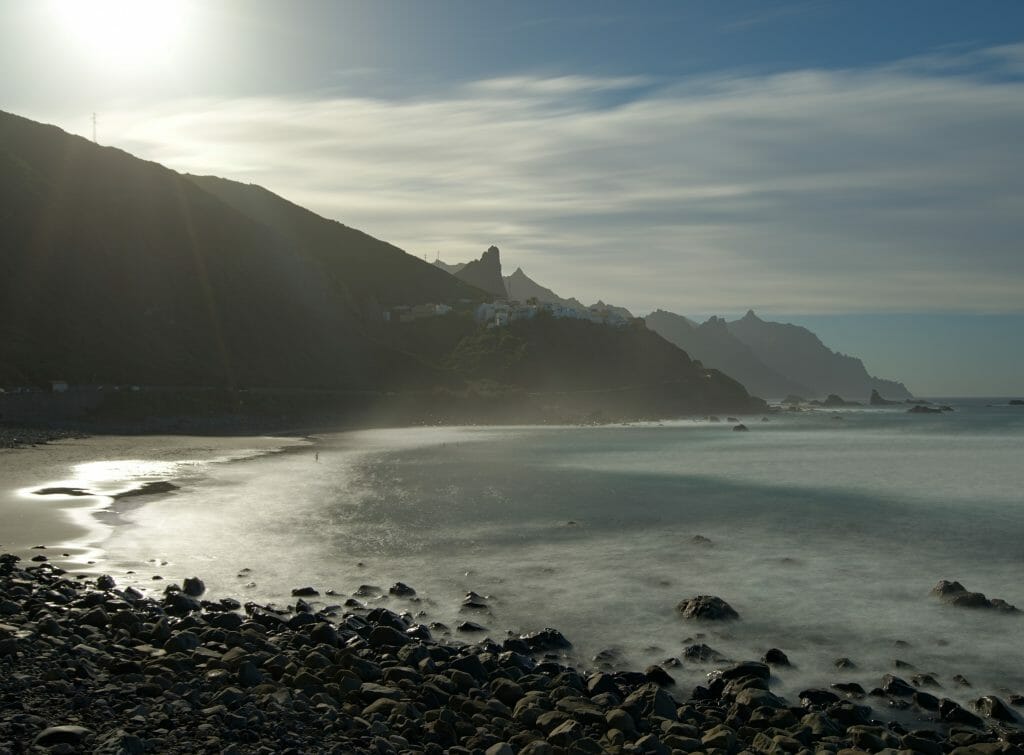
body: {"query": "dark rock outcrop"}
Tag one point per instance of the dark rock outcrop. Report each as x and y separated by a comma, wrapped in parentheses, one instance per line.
(707, 608)
(485, 273)
(956, 594)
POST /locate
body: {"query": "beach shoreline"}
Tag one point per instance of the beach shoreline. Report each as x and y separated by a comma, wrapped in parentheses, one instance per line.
(52, 491)
(99, 668)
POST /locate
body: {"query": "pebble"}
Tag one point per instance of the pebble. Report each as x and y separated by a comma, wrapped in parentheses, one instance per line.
(97, 668)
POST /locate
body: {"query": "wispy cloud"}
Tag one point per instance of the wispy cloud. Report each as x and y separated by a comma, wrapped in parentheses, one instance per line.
(894, 189)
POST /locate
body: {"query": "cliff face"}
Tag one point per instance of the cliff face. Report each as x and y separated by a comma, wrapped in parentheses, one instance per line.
(713, 344)
(485, 273)
(799, 354)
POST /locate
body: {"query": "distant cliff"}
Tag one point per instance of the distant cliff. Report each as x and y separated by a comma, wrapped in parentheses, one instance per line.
(715, 346)
(800, 355)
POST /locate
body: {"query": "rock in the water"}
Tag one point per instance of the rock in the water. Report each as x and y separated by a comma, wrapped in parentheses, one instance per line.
(701, 653)
(740, 428)
(877, 400)
(305, 592)
(893, 685)
(193, 586)
(775, 657)
(992, 707)
(105, 582)
(546, 639)
(401, 590)
(956, 594)
(951, 712)
(708, 608)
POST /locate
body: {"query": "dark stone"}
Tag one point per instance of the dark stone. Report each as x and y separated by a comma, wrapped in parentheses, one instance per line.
(180, 604)
(818, 698)
(701, 653)
(546, 639)
(750, 669)
(193, 586)
(893, 685)
(57, 735)
(401, 589)
(925, 680)
(384, 617)
(470, 626)
(926, 701)
(305, 592)
(324, 633)
(775, 657)
(741, 428)
(105, 582)
(708, 608)
(650, 700)
(994, 708)
(951, 712)
(659, 676)
(385, 636)
(850, 688)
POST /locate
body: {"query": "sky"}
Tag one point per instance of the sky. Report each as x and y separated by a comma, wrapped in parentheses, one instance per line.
(853, 166)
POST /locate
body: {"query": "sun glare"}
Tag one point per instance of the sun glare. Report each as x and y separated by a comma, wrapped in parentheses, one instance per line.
(135, 33)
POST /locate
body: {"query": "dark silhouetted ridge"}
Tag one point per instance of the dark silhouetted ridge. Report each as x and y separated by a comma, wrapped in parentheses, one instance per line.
(485, 273)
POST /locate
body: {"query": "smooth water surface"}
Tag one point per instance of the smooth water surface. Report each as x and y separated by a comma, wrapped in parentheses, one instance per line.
(827, 530)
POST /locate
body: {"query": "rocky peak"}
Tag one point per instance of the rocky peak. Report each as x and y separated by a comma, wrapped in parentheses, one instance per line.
(485, 273)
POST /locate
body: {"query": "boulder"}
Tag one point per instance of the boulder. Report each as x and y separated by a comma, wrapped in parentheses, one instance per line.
(992, 707)
(707, 608)
(775, 657)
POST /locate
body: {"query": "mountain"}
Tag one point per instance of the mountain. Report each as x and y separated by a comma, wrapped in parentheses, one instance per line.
(450, 269)
(370, 273)
(617, 369)
(116, 270)
(485, 273)
(800, 355)
(715, 346)
(522, 288)
(620, 311)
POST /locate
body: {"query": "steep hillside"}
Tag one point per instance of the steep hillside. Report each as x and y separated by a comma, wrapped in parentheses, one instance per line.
(799, 354)
(370, 273)
(565, 355)
(522, 288)
(713, 344)
(114, 269)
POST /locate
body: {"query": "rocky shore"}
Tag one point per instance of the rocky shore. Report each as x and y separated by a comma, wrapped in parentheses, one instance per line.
(86, 666)
(17, 436)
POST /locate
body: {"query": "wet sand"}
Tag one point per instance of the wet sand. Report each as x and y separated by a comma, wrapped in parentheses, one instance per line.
(84, 476)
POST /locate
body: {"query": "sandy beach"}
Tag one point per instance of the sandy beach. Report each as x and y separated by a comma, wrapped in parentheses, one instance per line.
(99, 470)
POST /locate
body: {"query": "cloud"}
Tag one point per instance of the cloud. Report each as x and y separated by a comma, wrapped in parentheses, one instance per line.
(899, 188)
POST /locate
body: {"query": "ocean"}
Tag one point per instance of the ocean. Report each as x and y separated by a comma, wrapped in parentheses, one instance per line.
(825, 530)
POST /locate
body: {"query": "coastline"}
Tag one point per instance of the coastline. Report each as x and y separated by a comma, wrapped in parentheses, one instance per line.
(105, 669)
(65, 522)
